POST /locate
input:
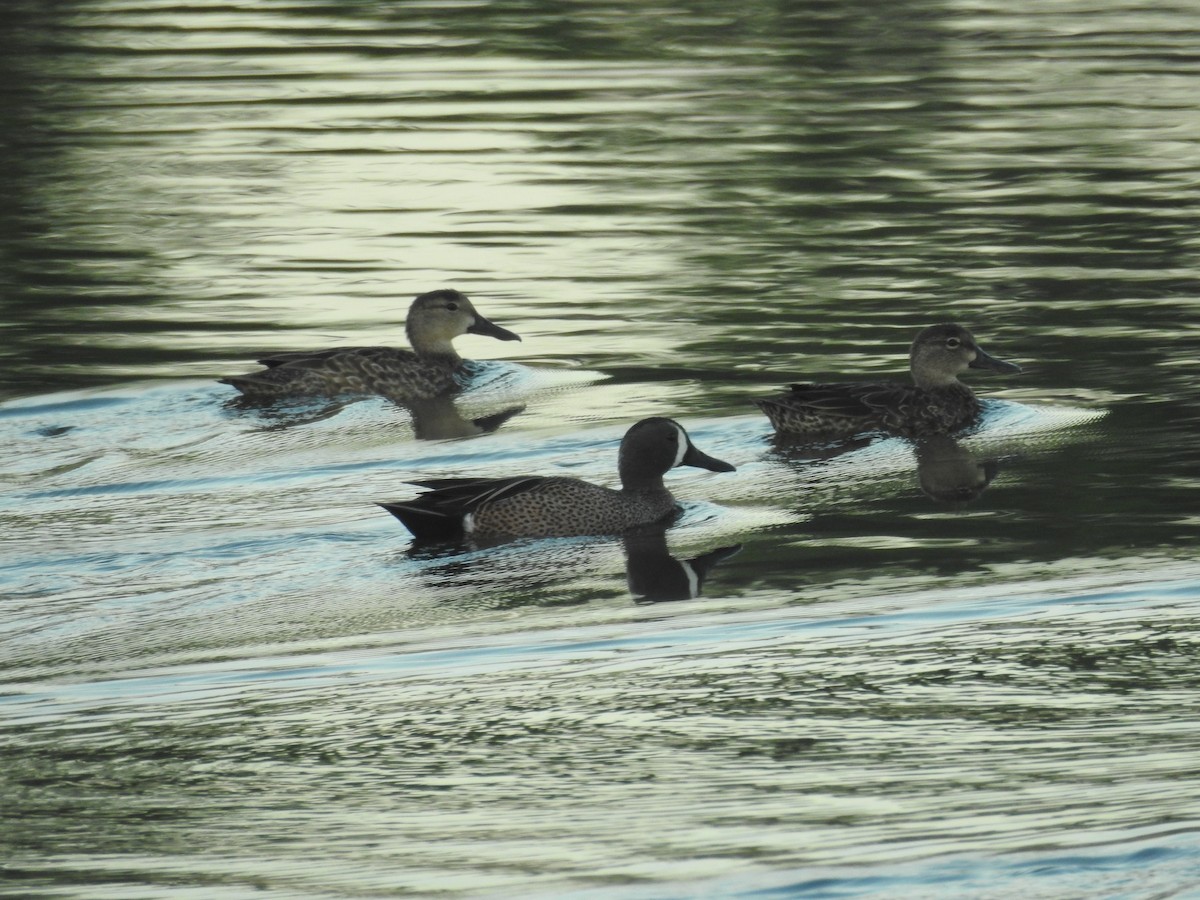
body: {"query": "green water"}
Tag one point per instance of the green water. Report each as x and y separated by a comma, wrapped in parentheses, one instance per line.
(224, 673)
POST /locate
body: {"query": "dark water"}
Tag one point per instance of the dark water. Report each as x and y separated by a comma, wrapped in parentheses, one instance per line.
(225, 673)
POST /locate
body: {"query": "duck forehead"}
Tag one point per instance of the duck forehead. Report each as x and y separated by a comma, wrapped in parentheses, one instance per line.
(439, 299)
(935, 338)
(646, 441)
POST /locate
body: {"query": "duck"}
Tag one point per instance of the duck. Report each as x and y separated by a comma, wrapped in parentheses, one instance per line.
(432, 368)
(558, 506)
(935, 403)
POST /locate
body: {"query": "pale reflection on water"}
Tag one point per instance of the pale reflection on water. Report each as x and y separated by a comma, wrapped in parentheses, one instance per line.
(225, 670)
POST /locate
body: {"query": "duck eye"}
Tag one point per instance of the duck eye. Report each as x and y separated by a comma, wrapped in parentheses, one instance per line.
(953, 343)
(452, 306)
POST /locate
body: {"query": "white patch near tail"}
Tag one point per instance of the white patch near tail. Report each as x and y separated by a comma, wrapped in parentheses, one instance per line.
(468, 523)
(693, 579)
(683, 447)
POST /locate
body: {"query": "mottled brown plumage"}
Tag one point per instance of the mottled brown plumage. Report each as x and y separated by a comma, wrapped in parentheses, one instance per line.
(546, 506)
(936, 403)
(432, 368)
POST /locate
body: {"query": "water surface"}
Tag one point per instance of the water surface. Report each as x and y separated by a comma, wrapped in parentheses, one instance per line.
(961, 670)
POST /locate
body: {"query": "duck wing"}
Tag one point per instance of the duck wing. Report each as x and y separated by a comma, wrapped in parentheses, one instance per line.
(844, 400)
(468, 494)
(829, 410)
(888, 400)
(316, 356)
(389, 371)
(438, 513)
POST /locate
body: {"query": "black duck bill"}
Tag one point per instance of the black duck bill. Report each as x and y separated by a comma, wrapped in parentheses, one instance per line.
(701, 460)
(985, 361)
(482, 325)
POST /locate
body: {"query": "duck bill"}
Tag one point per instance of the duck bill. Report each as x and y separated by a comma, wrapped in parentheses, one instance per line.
(491, 329)
(694, 457)
(984, 361)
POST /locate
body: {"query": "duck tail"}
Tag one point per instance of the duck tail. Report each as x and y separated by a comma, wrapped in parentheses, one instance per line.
(251, 385)
(425, 523)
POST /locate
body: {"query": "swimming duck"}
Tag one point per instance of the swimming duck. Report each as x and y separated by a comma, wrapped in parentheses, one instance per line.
(548, 506)
(431, 368)
(937, 402)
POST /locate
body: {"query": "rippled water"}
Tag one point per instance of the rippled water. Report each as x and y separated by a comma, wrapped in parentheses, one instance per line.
(960, 670)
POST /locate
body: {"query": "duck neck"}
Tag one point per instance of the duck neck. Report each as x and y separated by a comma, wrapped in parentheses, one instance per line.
(639, 481)
(425, 345)
(935, 382)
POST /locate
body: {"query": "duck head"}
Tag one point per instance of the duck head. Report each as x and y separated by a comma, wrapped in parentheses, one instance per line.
(654, 446)
(436, 318)
(940, 353)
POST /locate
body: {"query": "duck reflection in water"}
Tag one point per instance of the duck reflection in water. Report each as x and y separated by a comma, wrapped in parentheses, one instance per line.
(527, 572)
(434, 419)
(947, 471)
(950, 473)
(655, 576)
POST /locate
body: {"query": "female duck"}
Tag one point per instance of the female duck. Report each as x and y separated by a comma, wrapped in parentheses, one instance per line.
(937, 402)
(430, 369)
(548, 506)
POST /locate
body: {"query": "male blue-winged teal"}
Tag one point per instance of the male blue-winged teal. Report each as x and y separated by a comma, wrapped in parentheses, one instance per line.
(937, 402)
(431, 368)
(549, 506)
